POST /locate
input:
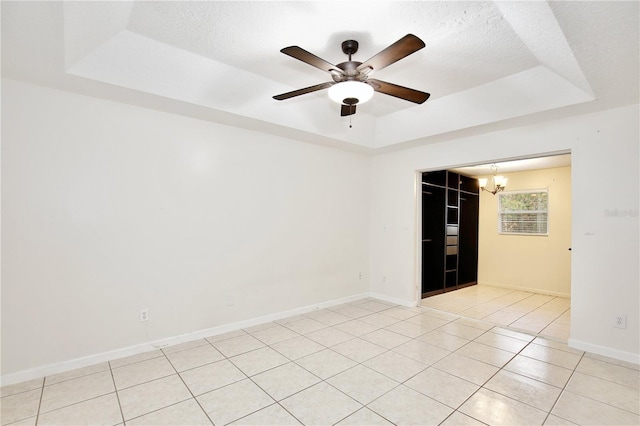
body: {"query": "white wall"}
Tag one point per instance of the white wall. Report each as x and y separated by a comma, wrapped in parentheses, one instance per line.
(605, 164)
(109, 208)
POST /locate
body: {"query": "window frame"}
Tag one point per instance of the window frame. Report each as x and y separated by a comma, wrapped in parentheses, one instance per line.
(525, 191)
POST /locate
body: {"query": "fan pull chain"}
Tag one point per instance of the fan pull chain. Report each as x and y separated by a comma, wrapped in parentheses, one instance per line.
(350, 115)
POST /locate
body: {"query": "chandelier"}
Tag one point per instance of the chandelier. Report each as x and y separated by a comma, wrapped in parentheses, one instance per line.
(499, 182)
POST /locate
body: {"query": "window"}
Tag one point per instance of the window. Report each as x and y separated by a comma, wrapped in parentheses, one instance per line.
(523, 212)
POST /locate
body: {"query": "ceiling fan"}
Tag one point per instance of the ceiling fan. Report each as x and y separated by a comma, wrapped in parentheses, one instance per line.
(351, 84)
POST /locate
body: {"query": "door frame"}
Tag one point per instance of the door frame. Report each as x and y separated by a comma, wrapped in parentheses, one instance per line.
(417, 290)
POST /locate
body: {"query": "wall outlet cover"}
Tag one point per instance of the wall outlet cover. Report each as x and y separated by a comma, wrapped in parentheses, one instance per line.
(144, 314)
(620, 321)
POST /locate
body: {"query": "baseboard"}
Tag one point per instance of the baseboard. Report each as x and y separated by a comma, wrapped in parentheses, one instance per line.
(528, 289)
(604, 350)
(48, 370)
(401, 302)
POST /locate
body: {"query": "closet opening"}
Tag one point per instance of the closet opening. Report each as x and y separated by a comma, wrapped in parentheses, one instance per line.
(449, 237)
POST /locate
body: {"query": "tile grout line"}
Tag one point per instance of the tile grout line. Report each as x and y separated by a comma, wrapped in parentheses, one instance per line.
(511, 304)
(519, 318)
(292, 362)
(400, 383)
(126, 365)
(432, 366)
(508, 326)
(276, 402)
(144, 382)
(43, 386)
(564, 388)
(187, 386)
(607, 379)
(115, 387)
(549, 323)
(353, 337)
(498, 297)
(403, 382)
(555, 319)
(502, 368)
(486, 381)
(584, 356)
(44, 379)
(247, 377)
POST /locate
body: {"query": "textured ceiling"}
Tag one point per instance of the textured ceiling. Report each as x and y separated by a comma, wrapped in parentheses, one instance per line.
(485, 63)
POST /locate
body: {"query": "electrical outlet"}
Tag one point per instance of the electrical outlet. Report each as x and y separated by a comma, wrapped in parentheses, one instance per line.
(620, 321)
(359, 275)
(144, 315)
(229, 300)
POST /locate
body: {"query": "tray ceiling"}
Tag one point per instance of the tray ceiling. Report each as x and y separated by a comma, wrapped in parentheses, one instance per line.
(485, 63)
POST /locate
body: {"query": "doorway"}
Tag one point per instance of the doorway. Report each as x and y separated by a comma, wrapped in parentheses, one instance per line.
(524, 265)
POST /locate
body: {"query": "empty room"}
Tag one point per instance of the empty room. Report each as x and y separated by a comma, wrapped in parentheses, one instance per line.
(319, 212)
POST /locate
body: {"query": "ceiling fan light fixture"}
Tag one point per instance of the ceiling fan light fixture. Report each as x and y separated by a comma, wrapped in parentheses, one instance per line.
(350, 90)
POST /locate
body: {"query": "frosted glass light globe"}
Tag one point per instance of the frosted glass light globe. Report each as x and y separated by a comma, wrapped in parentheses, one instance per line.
(350, 89)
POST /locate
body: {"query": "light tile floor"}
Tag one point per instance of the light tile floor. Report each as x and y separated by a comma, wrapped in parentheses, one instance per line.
(540, 314)
(361, 363)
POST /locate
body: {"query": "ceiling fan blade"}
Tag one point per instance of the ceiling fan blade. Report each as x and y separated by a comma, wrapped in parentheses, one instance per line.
(347, 110)
(398, 50)
(304, 91)
(401, 92)
(311, 59)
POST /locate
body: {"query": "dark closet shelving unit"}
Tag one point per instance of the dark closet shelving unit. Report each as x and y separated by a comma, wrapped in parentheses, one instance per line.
(449, 231)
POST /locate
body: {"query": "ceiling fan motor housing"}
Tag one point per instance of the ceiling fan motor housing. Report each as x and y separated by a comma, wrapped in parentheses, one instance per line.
(350, 69)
